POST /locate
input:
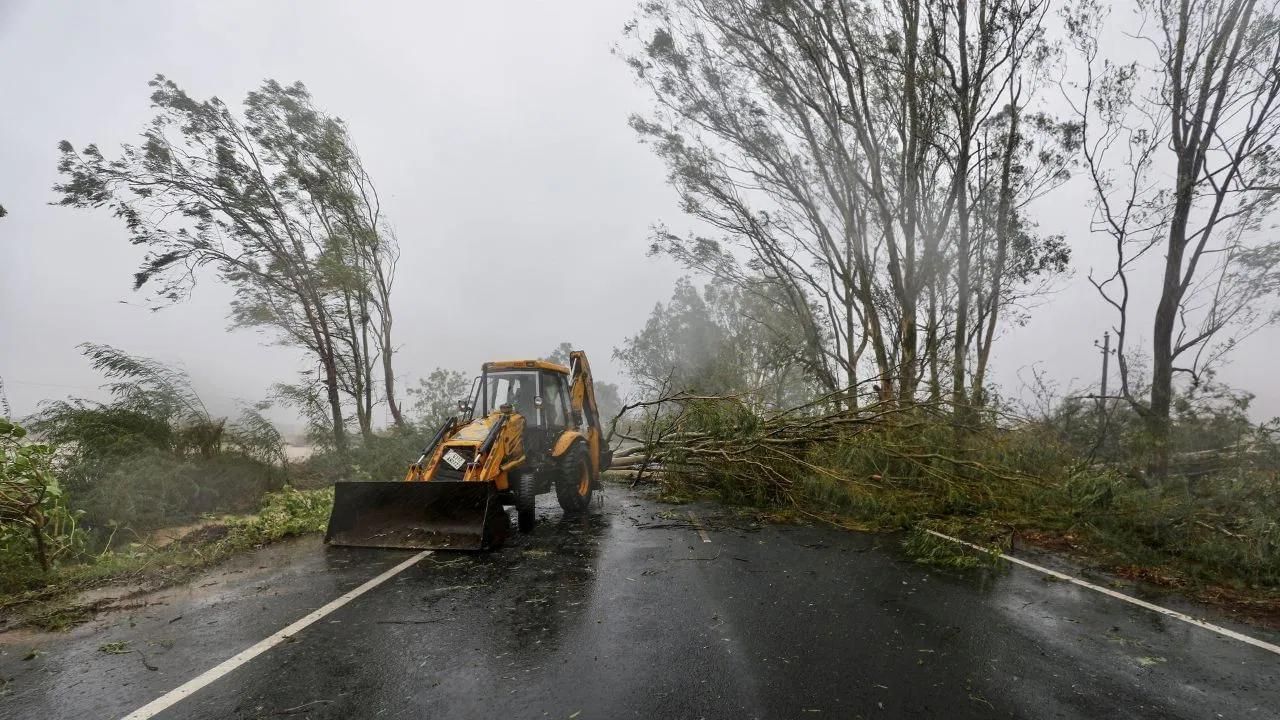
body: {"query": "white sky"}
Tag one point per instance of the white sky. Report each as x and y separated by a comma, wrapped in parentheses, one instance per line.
(497, 136)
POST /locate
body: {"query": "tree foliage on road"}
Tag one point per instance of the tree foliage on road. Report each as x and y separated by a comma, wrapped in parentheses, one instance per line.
(278, 204)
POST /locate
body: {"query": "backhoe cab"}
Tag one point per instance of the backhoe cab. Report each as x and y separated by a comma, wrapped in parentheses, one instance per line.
(530, 427)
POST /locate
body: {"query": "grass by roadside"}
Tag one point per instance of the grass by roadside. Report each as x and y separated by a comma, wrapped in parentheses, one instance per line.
(50, 601)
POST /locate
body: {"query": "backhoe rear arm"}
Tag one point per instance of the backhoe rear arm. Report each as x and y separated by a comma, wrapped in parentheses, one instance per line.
(582, 397)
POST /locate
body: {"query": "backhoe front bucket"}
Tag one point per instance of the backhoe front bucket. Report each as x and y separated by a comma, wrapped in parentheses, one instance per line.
(434, 515)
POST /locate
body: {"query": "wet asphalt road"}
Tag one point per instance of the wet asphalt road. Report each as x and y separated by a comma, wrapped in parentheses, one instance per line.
(628, 613)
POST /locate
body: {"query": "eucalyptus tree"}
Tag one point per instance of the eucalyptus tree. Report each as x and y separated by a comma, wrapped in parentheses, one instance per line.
(722, 339)
(1181, 149)
(832, 149)
(279, 206)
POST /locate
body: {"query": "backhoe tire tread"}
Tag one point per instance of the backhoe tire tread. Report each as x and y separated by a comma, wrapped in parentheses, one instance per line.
(569, 477)
(526, 501)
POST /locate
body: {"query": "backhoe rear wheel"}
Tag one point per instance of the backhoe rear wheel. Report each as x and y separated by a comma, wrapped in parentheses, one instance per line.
(573, 482)
(526, 499)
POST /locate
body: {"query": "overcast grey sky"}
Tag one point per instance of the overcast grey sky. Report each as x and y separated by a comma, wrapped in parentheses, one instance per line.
(496, 133)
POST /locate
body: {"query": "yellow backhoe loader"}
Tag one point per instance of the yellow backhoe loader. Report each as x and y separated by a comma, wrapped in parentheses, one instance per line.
(530, 427)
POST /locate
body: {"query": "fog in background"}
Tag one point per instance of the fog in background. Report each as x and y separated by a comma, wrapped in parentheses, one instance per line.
(496, 134)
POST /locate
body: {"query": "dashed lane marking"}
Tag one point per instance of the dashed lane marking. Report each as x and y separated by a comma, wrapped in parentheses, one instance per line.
(190, 687)
(697, 524)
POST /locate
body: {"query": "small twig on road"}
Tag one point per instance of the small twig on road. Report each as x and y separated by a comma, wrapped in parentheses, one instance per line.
(666, 526)
(289, 711)
(145, 663)
(407, 622)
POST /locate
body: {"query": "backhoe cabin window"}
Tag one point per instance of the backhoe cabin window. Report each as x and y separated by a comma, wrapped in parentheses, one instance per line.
(553, 399)
(515, 388)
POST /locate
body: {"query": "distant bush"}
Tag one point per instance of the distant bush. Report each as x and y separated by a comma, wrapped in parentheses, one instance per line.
(154, 456)
(154, 489)
(385, 455)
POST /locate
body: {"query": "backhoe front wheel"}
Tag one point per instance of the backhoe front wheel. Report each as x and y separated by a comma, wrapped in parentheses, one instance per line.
(526, 499)
(573, 482)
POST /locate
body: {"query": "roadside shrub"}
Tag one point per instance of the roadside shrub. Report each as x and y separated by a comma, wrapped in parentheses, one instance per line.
(47, 600)
(154, 456)
(36, 526)
(154, 489)
(383, 456)
(1227, 531)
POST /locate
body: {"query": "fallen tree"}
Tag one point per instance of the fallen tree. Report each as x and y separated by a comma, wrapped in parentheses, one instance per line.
(718, 442)
(890, 466)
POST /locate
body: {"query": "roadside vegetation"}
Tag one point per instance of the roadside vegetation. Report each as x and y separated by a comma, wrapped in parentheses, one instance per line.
(272, 201)
(862, 182)
(148, 487)
(1063, 471)
(85, 487)
(49, 599)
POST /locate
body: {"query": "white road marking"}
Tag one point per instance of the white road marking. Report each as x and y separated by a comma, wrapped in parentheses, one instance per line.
(697, 524)
(190, 687)
(1225, 632)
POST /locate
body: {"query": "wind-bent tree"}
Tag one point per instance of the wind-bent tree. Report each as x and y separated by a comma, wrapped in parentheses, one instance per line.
(834, 148)
(279, 205)
(1183, 159)
(153, 406)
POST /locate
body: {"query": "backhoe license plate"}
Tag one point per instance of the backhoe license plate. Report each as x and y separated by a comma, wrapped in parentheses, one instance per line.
(455, 460)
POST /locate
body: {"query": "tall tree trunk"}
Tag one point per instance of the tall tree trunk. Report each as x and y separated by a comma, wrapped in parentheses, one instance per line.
(959, 397)
(852, 353)
(42, 549)
(1157, 417)
(382, 302)
(908, 371)
(356, 375)
(1171, 291)
(318, 324)
(1004, 227)
(964, 122)
(335, 404)
(388, 374)
(366, 365)
(932, 352)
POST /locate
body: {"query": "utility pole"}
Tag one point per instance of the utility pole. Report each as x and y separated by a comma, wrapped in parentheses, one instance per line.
(1106, 352)
(1105, 347)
